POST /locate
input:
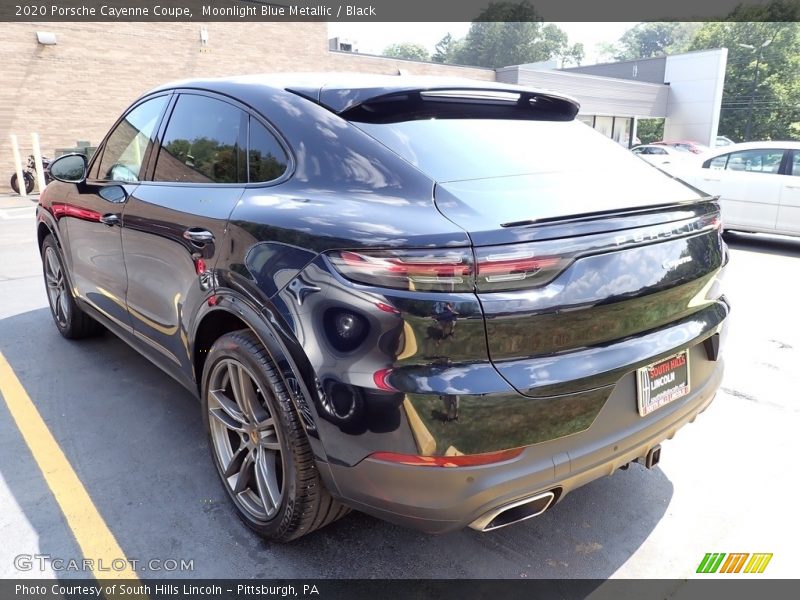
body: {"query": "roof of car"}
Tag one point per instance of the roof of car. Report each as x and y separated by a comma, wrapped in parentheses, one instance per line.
(342, 91)
(787, 145)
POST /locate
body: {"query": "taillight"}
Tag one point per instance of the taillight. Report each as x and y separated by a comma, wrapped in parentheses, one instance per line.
(498, 268)
(514, 267)
(442, 270)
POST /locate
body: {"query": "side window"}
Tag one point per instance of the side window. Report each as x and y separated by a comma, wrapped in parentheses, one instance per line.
(639, 150)
(203, 143)
(717, 164)
(126, 147)
(267, 160)
(795, 164)
(755, 161)
(659, 151)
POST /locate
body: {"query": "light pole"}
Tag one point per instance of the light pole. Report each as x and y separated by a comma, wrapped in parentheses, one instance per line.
(749, 123)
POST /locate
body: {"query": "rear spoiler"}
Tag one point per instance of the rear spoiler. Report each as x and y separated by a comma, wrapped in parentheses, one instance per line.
(382, 105)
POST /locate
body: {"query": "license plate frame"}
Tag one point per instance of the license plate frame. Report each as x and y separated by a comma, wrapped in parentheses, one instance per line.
(671, 376)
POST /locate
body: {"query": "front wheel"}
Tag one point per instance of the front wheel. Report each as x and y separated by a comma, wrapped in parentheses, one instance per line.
(258, 444)
(70, 320)
(29, 182)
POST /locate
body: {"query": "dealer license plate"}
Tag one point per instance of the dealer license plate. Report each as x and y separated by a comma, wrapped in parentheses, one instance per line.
(662, 382)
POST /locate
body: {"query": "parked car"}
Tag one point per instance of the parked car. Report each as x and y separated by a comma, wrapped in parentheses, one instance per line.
(758, 184)
(401, 295)
(723, 141)
(661, 156)
(686, 146)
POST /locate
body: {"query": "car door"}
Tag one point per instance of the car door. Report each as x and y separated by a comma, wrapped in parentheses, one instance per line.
(92, 211)
(748, 186)
(789, 209)
(174, 223)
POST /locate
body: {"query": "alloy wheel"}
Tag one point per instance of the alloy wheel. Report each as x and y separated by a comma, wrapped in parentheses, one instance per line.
(56, 287)
(246, 439)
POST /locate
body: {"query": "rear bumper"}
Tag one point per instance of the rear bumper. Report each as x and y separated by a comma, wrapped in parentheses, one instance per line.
(437, 500)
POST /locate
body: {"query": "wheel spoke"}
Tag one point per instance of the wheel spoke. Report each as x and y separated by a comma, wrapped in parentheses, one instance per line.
(229, 407)
(52, 280)
(236, 461)
(235, 374)
(245, 393)
(57, 306)
(62, 303)
(266, 482)
(52, 263)
(227, 420)
(268, 436)
(243, 478)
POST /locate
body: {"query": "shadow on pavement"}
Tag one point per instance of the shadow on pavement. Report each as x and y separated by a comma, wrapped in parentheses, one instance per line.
(136, 440)
(764, 243)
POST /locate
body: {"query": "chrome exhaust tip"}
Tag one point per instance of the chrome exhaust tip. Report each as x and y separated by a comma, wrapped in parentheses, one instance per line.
(521, 510)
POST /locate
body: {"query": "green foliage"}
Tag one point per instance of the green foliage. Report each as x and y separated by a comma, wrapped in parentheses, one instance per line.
(407, 50)
(509, 33)
(646, 40)
(650, 130)
(446, 49)
(773, 104)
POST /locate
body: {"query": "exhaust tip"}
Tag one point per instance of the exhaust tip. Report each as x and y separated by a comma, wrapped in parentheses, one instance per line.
(518, 511)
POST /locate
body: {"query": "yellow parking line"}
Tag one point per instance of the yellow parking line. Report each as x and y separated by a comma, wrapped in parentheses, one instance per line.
(90, 530)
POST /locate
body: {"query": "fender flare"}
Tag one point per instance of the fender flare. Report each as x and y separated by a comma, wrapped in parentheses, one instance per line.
(286, 353)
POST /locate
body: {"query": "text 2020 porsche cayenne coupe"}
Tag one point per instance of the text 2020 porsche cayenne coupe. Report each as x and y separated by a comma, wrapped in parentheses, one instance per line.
(408, 296)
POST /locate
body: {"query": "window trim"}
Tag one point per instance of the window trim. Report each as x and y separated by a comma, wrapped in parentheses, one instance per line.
(97, 157)
(249, 112)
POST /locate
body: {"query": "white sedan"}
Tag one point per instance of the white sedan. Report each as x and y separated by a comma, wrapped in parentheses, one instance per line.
(758, 184)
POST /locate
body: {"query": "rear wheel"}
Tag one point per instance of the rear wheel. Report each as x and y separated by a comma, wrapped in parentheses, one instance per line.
(28, 182)
(70, 320)
(258, 443)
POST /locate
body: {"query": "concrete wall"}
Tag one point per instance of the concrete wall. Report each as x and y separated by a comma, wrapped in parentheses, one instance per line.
(695, 83)
(597, 95)
(77, 88)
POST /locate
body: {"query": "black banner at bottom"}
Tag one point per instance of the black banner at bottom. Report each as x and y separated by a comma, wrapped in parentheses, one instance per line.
(403, 589)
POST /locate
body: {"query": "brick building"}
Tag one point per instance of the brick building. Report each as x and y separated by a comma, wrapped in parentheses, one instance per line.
(75, 89)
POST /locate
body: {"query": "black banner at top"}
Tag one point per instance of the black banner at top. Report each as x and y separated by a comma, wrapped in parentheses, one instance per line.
(398, 10)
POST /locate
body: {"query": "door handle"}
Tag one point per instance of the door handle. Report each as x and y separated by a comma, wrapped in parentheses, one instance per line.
(198, 236)
(793, 187)
(110, 219)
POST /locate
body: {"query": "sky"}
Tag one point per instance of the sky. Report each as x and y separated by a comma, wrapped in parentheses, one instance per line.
(372, 38)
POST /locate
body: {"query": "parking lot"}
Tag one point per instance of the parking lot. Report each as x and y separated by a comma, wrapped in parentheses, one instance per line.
(135, 439)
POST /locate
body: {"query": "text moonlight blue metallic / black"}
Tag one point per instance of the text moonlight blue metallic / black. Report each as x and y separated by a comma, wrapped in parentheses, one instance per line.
(445, 303)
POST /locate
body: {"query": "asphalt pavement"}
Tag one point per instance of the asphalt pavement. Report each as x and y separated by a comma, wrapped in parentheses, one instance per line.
(135, 440)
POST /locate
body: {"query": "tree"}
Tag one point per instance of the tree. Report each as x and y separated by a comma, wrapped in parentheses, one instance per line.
(646, 40)
(650, 130)
(407, 50)
(445, 49)
(772, 103)
(509, 33)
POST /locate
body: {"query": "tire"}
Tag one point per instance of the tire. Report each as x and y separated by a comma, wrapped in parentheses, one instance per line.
(70, 320)
(29, 182)
(261, 454)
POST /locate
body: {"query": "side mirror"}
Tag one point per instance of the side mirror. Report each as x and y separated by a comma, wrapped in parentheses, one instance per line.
(70, 168)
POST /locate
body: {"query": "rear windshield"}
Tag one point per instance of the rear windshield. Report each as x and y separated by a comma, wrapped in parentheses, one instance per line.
(459, 149)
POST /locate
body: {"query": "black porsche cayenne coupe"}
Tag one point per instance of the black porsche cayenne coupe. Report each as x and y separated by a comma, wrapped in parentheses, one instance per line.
(441, 302)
